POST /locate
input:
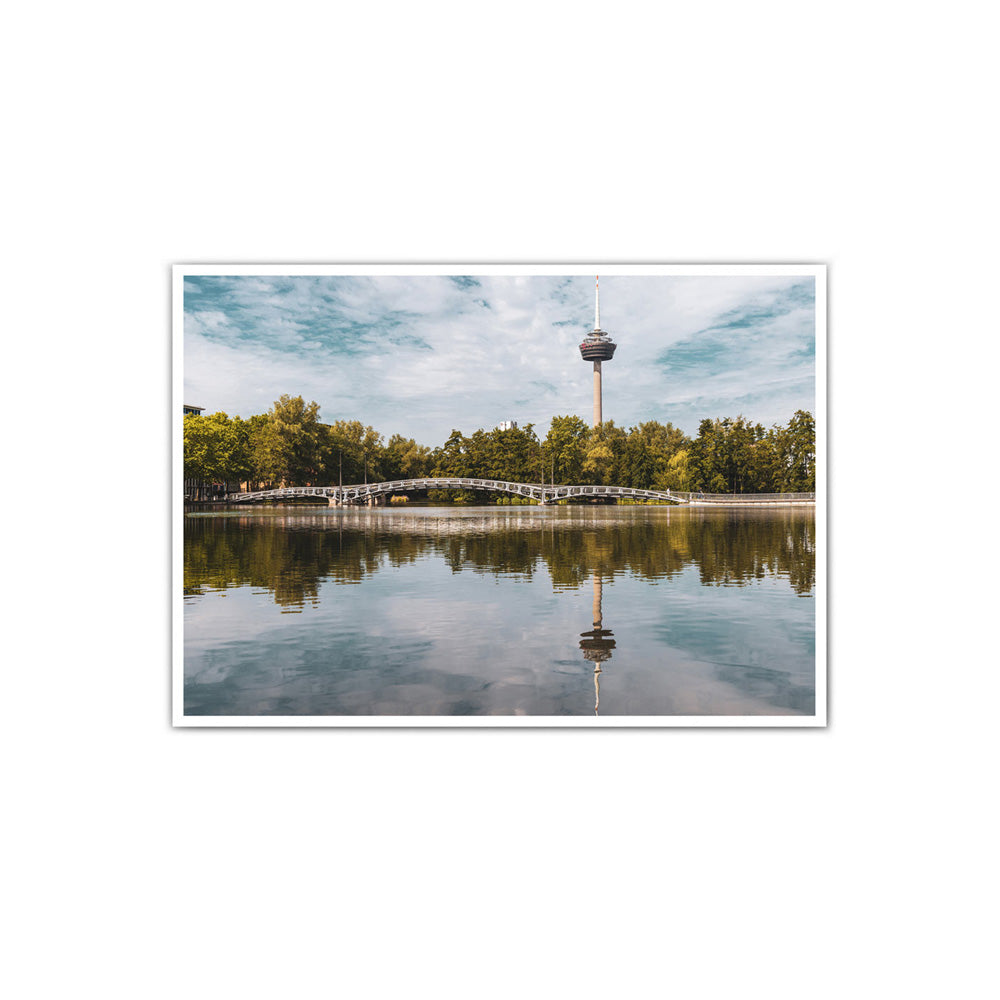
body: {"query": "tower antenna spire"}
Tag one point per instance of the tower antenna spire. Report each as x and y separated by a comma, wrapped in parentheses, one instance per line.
(597, 302)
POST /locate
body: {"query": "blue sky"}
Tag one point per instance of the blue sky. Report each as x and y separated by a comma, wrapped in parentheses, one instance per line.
(421, 355)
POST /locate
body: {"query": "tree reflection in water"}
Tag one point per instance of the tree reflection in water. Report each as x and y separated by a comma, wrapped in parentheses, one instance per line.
(289, 553)
(429, 642)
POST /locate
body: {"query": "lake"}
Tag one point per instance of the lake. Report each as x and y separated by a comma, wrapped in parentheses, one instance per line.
(500, 612)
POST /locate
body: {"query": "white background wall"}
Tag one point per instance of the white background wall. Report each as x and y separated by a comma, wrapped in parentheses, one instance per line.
(144, 861)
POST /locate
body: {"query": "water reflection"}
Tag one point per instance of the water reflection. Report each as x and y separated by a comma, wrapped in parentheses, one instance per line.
(452, 611)
(597, 643)
(289, 553)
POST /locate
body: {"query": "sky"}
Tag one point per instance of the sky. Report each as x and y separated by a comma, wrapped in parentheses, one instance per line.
(422, 355)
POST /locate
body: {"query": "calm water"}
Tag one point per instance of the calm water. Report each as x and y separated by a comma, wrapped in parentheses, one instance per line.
(499, 611)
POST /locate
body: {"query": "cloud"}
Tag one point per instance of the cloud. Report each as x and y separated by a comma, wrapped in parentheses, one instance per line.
(420, 355)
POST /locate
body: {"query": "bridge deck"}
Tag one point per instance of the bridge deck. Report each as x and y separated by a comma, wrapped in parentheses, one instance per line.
(544, 494)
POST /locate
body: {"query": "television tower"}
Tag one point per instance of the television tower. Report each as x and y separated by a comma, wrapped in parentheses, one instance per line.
(597, 347)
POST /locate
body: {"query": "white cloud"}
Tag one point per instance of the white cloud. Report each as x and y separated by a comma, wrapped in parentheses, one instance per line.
(421, 355)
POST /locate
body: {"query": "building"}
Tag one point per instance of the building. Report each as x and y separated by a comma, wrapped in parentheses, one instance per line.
(507, 425)
(597, 347)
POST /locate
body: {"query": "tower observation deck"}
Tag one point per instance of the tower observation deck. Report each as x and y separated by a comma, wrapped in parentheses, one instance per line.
(597, 347)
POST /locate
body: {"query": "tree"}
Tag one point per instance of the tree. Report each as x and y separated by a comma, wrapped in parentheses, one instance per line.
(297, 437)
(678, 474)
(709, 458)
(564, 449)
(264, 448)
(735, 456)
(452, 459)
(353, 450)
(512, 455)
(604, 451)
(797, 454)
(646, 454)
(403, 458)
(215, 448)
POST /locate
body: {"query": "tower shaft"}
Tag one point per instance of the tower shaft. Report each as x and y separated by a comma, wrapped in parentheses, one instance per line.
(597, 394)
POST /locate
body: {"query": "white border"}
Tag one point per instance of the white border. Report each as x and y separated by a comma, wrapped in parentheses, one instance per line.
(818, 271)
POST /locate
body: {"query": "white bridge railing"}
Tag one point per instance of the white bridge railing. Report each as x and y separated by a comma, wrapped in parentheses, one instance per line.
(362, 493)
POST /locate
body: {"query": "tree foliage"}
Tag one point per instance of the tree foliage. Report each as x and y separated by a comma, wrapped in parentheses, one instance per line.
(289, 446)
(736, 456)
(565, 446)
(352, 452)
(403, 458)
(216, 448)
(297, 438)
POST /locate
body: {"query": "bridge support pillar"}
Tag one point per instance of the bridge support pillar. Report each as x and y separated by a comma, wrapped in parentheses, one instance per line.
(333, 501)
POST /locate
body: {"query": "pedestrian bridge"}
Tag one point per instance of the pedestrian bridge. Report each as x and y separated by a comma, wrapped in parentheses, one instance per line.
(375, 493)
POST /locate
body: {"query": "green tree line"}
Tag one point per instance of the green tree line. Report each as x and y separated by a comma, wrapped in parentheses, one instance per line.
(290, 446)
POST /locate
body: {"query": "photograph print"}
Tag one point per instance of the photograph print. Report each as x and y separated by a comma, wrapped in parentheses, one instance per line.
(483, 495)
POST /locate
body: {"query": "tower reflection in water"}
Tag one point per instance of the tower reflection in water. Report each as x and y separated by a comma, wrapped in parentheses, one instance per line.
(597, 643)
